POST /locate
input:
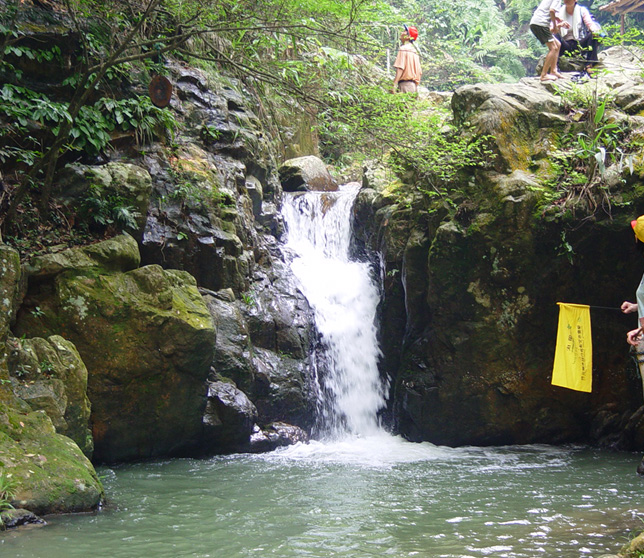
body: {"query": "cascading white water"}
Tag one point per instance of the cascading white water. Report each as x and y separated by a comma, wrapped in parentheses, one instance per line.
(344, 297)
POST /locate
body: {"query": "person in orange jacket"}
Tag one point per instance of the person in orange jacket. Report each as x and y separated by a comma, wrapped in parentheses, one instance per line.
(407, 63)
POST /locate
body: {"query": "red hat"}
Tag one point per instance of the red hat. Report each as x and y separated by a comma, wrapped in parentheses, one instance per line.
(413, 33)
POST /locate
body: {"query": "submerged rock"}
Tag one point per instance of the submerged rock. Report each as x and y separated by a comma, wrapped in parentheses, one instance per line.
(10, 519)
(275, 435)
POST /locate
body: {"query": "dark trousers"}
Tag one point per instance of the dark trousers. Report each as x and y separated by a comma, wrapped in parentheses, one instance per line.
(588, 47)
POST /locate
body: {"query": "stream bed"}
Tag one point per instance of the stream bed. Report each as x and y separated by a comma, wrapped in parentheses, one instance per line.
(356, 498)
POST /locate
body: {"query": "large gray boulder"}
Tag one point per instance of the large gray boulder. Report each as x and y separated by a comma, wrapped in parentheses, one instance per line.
(305, 174)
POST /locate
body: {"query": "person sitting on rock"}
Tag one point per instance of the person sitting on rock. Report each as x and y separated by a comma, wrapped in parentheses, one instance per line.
(578, 32)
(543, 23)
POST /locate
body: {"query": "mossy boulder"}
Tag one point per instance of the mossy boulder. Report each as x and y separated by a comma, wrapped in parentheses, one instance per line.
(634, 548)
(147, 340)
(120, 253)
(51, 473)
(521, 123)
(49, 375)
(469, 315)
(480, 294)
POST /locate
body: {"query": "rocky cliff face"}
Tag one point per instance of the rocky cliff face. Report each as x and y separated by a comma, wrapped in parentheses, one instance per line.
(469, 316)
(152, 342)
(184, 337)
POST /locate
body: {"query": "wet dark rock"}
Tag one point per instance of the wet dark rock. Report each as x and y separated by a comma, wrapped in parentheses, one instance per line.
(281, 389)
(228, 419)
(263, 345)
(275, 435)
(256, 194)
(214, 203)
(10, 519)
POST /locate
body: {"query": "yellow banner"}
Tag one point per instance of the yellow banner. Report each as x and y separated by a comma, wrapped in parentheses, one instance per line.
(573, 368)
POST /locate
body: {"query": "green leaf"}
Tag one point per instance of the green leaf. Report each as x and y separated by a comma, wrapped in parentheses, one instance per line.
(600, 112)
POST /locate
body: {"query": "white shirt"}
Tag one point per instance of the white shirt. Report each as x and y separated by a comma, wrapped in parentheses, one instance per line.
(575, 22)
(541, 16)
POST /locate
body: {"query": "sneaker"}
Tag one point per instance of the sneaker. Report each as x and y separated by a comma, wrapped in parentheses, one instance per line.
(581, 77)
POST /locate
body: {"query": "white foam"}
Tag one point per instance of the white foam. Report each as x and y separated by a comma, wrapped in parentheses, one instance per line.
(380, 450)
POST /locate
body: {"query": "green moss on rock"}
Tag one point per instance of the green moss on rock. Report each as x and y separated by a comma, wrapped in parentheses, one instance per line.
(147, 340)
(51, 472)
(50, 375)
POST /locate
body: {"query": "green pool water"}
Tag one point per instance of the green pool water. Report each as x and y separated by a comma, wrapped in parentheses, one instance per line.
(357, 498)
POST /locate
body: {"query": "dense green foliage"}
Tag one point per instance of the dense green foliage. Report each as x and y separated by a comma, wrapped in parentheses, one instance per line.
(113, 46)
(328, 56)
(466, 41)
(411, 134)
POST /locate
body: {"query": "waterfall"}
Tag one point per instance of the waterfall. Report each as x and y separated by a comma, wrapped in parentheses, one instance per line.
(344, 296)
